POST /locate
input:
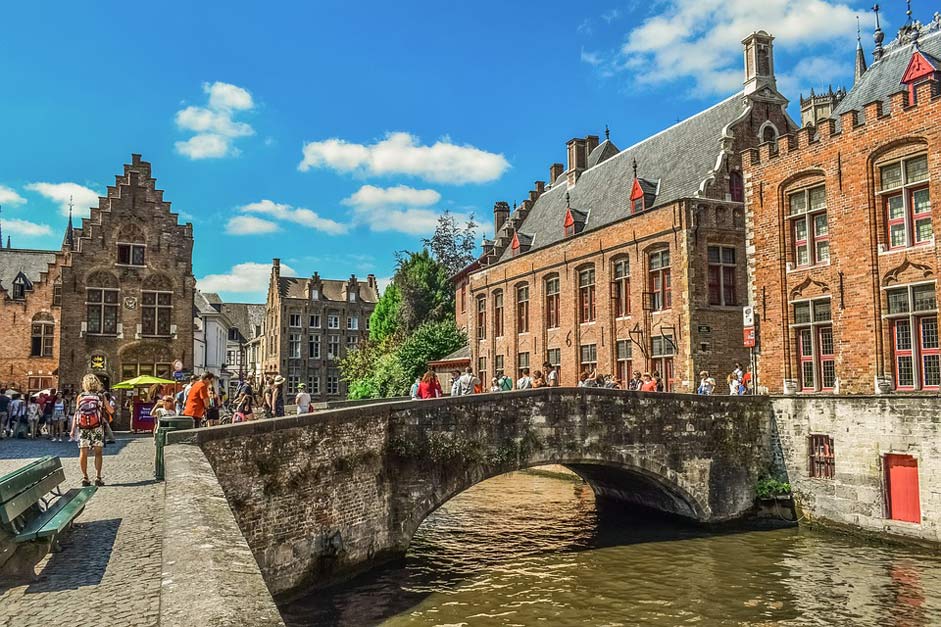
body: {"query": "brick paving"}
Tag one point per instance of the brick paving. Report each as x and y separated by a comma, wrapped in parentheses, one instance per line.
(109, 569)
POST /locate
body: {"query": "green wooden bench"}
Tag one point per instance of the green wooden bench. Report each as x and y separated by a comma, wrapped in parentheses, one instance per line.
(34, 513)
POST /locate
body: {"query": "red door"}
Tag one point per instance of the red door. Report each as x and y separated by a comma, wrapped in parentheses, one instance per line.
(902, 488)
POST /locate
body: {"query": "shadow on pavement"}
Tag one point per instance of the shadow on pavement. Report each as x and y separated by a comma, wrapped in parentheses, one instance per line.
(83, 560)
(27, 449)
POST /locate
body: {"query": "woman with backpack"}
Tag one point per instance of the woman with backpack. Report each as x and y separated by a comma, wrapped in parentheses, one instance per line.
(89, 418)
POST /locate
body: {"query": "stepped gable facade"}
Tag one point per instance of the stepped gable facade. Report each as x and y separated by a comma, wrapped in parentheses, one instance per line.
(127, 286)
(843, 237)
(628, 259)
(310, 324)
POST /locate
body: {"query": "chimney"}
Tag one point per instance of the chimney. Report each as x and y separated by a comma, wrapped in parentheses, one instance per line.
(592, 144)
(577, 157)
(540, 187)
(555, 171)
(501, 211)
(759, 62)
(371, 281)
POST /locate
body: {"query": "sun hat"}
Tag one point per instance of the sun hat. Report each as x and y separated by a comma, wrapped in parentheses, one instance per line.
(278, 380)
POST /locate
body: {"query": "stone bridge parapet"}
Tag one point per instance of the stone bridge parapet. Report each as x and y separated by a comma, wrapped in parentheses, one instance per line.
(321, 496)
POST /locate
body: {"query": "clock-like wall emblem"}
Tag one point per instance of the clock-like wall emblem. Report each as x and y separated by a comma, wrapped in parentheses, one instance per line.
(130, 302)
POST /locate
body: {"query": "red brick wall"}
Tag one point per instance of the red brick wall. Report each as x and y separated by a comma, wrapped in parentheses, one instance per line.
(847, 162)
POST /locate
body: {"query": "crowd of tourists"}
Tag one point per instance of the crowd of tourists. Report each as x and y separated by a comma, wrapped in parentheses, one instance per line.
(464, 383)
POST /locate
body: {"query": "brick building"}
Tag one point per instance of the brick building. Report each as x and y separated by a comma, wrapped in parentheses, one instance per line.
(119, 292)
(842, 238)
(310, 323)
(628, 259)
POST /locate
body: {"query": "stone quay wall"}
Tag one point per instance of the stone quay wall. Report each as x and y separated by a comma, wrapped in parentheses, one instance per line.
(320, 496)
(864, 431)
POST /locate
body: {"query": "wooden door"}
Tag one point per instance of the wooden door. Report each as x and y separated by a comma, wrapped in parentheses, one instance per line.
(902, 488)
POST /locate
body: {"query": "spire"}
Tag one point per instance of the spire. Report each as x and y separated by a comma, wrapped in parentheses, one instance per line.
(860, 55)
(1, 226)
(878, 36)
(69, 231)
(634, 165)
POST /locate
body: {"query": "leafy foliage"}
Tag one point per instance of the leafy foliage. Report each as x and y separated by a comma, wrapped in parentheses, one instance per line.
(384, 321)
(425, 290)
(453, 246)
(768, 488)
(430, 341)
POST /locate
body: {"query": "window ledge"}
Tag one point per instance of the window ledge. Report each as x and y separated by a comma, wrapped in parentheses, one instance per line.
(883, 251)
(130, 265)
(661, 311)
(817, 266)
(627, 317)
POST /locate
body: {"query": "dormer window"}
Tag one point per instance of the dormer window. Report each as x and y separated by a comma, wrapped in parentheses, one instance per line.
(643, 194)
(521, 243)
(921, 68)
(314, 294)
(131, 254)
(19, 290)
(574, 222)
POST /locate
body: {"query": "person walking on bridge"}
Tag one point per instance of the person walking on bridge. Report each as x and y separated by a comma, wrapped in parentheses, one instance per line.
(302, 400)
(468, 382)
(197, 402)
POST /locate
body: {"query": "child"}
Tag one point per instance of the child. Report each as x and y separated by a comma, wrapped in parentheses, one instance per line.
(32, 416)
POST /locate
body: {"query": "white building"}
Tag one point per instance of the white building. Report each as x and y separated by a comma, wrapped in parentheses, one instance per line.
(210, 338)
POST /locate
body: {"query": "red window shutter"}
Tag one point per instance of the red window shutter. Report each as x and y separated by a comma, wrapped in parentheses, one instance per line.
(902, 488)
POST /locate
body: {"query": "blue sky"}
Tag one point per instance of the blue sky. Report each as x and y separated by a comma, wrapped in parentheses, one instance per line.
(331, 134)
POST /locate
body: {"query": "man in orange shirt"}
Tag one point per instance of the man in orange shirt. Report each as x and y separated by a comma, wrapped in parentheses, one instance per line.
(197, 402)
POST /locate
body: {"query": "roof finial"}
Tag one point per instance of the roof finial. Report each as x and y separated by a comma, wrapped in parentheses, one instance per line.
(878, 36)
(859, 37)
(908, 12)
(607, 133)
(634, 165)
(568, 201)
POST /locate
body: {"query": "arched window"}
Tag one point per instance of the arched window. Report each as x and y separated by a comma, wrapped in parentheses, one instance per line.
(552, 285)
(498, 313)
(586, 294)
(769, 133)
(522, 308)
(43, 332)
(736, 186)
(621, 287)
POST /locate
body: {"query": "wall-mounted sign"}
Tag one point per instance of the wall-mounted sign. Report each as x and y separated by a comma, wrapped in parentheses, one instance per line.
(748, 316)
(97, 362)
(130, 302)
(705, 329)
(749, 337)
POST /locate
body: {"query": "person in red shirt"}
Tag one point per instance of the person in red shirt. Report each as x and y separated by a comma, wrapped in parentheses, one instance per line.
(197, 402)
(429, 387)
(649, 383)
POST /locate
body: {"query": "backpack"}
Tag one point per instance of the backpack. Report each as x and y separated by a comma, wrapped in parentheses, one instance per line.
(89, 412)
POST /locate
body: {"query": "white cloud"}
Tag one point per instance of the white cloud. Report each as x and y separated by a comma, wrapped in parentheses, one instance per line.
(80, 196)
(249, 277)
(591, 58)
(383, 283)
(8, 196)
(26, 229)
(300, 215)
(214, 125)
(370, 196)
(411, 221)
(250, 225)
(401, 153)
(611, 15)
(700, 40)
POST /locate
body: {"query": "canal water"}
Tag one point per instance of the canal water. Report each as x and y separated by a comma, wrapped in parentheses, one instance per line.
(531, 549)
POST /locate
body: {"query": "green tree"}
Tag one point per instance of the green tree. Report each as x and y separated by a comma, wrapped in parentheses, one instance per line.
(384, 321)
(425, 290)
(430, 341)
(453, 246)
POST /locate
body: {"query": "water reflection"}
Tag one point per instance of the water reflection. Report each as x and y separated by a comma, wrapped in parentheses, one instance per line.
(524, 550)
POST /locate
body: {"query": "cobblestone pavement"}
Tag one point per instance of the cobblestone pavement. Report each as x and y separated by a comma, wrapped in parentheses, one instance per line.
(108, 572)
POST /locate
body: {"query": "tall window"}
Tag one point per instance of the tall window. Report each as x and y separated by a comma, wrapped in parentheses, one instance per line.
(552, 302)
(736, 186)
(156, 313)
(294, 379)
(586, 295)
(57, 294)
(497, 367)
(333, 381)
(294, 346)
(333, 320)
(131, 254)
(554, 357)
(621, 288)
(352, 323)
(498, 314)
(807, 212)
(662, 350)
(294, 320)
(313, 347)
(588, 355)
(661, 296)
(904, 190)
(315, 321)
(624, 361)
(19, 289)
(333, 347)
(482, 371)
(522, 309)
(813, 329)
(913, 317)
(463, 298)
(722, 275)
(313, 382)
(101, 311)
(522, 363)
(481, 318)
(42, 332)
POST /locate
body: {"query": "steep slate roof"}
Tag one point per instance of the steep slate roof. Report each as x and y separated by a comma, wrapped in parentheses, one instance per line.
(332, 289)
(30, 262)
(679, 158)
(245, 317)
(883, 78)
(602, 152)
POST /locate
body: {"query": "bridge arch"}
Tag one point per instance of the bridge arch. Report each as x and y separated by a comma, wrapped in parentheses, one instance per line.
(321, 496)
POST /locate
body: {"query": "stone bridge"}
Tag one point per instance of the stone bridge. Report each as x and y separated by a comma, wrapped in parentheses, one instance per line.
(321, 496)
